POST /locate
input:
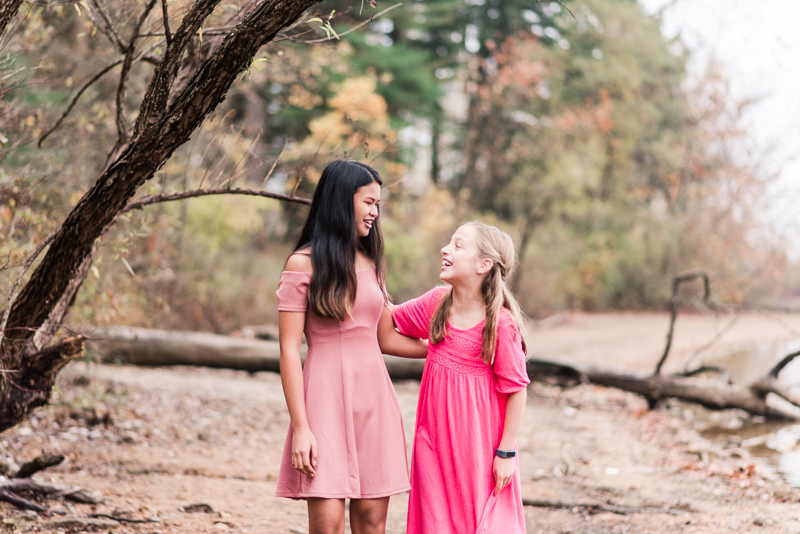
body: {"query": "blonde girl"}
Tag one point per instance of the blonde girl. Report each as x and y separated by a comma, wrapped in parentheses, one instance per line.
(464, 471)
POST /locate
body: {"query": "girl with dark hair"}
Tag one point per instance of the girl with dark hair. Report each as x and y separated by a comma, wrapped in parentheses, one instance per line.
(346, 438)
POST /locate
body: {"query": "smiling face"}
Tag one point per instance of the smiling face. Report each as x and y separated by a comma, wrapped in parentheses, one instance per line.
(461, 262)
(366, 203)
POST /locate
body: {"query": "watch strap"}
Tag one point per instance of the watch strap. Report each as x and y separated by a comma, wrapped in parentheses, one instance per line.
(505, 454)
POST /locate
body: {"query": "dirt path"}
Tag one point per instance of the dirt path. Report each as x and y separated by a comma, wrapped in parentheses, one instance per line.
(179, 437)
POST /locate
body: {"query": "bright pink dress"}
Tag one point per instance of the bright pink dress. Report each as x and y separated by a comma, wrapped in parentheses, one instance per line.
(351, 405)
(460, 417)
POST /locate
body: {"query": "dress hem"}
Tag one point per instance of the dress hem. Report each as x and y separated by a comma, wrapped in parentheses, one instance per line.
(343, 495)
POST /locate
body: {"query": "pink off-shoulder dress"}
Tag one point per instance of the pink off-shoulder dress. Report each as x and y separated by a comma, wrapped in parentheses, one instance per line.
(460, 418)
(351, 405)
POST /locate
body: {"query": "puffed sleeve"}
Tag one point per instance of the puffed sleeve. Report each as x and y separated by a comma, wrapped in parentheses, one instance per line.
(413, 317)
(293, 291)
(510, 360)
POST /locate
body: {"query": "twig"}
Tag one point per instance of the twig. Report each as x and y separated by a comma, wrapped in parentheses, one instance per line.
(562, 5)
(75, 100)
(155, 199)
(19, 502)
(354, 28)
(165, 15)
(783, 363)
(600, 507)
(723, 373)
(275, 163)
(713, 340)
(122, 129)
(107, 27)
(124, 519)
(15, 288)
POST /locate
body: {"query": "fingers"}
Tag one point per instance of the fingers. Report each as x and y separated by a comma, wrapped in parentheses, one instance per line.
(314, 454)
(501, 482)
(308, 469)
(302, 462)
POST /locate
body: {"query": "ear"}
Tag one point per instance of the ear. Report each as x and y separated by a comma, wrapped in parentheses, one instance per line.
(484, 266)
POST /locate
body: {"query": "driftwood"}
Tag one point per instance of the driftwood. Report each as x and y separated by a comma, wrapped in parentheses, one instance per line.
(140, 346)
(10, 488)
(20, 481)
(597, 507)
(144, 347)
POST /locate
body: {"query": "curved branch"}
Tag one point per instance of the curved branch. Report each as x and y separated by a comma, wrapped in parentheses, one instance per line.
(674, 304)
(155, 199)
(75, 100)
(783, 363)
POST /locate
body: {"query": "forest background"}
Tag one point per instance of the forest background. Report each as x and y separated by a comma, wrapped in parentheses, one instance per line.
(573, 126)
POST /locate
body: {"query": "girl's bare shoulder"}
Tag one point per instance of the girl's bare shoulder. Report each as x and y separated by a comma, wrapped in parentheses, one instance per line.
(299, 262)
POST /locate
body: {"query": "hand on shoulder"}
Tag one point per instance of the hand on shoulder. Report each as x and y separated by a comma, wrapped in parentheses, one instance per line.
(299, 262)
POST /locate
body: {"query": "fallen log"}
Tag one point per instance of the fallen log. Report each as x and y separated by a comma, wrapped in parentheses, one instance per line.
(159, 348)
(139, 346)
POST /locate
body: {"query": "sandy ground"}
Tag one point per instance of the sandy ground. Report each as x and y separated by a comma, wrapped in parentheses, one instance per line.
(177, 437)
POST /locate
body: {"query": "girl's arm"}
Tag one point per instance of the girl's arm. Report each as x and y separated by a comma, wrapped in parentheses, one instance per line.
(304, 445)
(290, 332)
(504, 468)
(394, 343)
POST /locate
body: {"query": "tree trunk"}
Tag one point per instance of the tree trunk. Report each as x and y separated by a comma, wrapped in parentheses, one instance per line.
(43, 301)
(8, 10)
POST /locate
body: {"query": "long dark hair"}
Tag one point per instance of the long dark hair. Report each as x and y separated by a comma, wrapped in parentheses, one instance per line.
(330, 231)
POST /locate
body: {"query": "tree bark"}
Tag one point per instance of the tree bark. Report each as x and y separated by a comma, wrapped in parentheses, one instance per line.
(8, 10)
(159, 132)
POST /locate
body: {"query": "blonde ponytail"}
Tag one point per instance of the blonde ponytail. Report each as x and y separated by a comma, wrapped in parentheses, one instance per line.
(497, 246)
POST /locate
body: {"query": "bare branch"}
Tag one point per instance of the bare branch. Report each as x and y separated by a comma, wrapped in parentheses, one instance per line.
(122, 129)
(275, 163)
(98, 10)
(169, 197)
(674, 304)
(165, 15)
(15, 288)
(354, 28)
(75, 100)
(783, 363)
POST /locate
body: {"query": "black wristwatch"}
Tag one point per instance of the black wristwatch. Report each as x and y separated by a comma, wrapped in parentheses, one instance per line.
(505, 454)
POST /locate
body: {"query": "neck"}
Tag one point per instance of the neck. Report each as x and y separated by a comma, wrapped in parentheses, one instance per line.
(467, 297)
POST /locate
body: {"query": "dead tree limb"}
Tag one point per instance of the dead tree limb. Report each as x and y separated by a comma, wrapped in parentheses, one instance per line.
(596, 507)
(169, 197)
(51, 489)
(40, 463)
(674, 305)
(144, 347)
(75, 98)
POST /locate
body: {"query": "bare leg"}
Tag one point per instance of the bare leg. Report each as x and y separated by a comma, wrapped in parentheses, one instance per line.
(325, 516)
(368, 516)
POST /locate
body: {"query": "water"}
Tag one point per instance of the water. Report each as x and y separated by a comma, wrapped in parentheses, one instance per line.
(779, 443)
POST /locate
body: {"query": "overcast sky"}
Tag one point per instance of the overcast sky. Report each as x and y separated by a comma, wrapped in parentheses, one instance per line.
(758, 44)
